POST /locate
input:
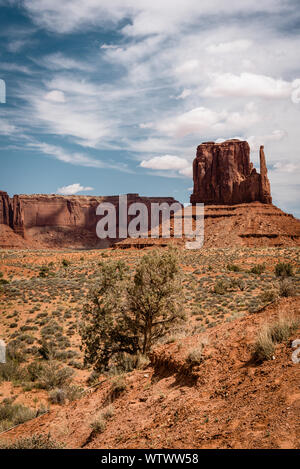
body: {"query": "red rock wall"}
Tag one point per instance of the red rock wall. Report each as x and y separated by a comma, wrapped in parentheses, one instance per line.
(47, 217)
(5, 209)
(223, 174)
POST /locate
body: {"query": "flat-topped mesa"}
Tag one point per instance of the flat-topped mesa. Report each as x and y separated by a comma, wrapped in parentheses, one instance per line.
(52, 220)
(223, 174)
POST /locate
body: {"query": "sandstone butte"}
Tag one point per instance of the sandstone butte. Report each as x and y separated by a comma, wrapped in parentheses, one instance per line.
(238, 209)
(223, 174)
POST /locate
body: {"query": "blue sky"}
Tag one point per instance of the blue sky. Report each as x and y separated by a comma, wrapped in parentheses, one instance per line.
(113, 96)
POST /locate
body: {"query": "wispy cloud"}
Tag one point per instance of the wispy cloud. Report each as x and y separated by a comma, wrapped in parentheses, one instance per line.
(147, 17)
(77, 159)
(6, 128)
(13, 67)
(60, 61)
(206, 121)
(250, 85)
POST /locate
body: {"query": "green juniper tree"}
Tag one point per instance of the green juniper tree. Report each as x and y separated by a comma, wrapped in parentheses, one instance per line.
(154, 298)
(102, 316)
(127, 315)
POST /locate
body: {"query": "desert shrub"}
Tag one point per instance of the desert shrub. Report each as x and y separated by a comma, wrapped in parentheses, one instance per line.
(272, 334)
(233, 268)
(93, 378)
(283, 269)
(124, 363)
(108, 412)
(268, 296)
(14, 353)
(258, 269)
(13, 325)
(117, 388)
(57, 396)
(49, 375)
(286, 288)
(237, 283)
(14, 414)
(34, 370)
(98, 425)
(73, 392)
(52, 328)
(264, 346)
(46, 350)
(11, 370)
(127, 315)
(44, 271)
(220, 287)
(65, 263)
(281, 330)
(36, 441)
(195, 356)
(61, 395)
(2, 280)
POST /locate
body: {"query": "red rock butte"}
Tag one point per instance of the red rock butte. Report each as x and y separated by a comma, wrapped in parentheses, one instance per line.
(223, 174)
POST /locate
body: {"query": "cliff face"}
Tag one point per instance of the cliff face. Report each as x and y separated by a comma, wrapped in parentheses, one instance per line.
(61, 221)
(5, 209)
(223, 174)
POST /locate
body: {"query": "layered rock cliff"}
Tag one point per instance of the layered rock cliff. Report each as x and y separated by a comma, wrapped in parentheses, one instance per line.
(223, 174)
(42, 220)
(5, 209)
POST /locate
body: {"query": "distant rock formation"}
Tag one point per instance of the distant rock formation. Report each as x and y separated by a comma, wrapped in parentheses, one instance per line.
(42, 220)
(223, 174)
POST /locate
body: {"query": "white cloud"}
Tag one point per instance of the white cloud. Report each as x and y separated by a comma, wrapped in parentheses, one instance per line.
(17, 38)
(16, 46)
(205, 121)
(188, 171)
(74, 158)
(59, 61)
(109, 46)
(12, 67)
(295, 95)
(6, 128)
(69, 108)
(189, 66)
(169, 163)
(286, 167)
(147, 17)
(165, 162)
(134, 51)
(73, 189)
(256, 140)
(229, 47)
(56, 96)
(248, 85)
(185, 93)
(146, 125)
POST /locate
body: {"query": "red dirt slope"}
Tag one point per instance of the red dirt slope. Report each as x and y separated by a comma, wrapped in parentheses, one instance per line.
(226, 402)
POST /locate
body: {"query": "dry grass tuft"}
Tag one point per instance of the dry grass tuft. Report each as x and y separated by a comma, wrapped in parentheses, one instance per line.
(272, 334)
